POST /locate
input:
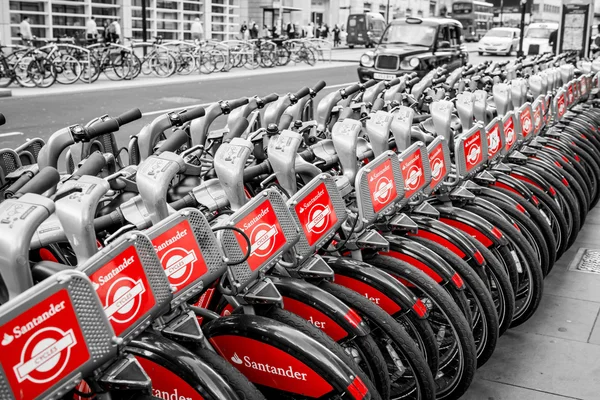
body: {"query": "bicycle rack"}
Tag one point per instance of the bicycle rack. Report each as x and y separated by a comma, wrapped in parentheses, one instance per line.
(470, 150)
(271, 228)
(28, 151)
(379, 186)
(319, 210)
(131, 283)
(416, 171)
(439, 164)
(189, 253)
(63, 316)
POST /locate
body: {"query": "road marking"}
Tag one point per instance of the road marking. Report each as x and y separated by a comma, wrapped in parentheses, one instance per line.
(3, 135)
(166, 110)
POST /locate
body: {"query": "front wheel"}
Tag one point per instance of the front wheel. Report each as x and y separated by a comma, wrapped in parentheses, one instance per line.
(480, 53)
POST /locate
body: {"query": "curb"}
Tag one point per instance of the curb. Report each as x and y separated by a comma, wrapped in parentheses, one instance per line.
(5, 93)
(148, 82)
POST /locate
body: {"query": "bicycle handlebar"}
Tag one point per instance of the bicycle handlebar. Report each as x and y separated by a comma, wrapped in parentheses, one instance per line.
(302, 92)
(100, 129)
(237, 102)
(285, 121)
(393, 82)
(177, 139)
(46, 179)
(257, 170)
(129, 116)
(412, 82)
(236, 130)
(269, 98)
(377, 104)
(439, 80)
(92, 165)
(369, 83)
(192, 113)
(319, 86)
(351, 89)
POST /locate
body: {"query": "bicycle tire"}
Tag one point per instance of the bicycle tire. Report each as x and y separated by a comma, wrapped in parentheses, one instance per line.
(302, 325)
(380, 321)
(436, 296)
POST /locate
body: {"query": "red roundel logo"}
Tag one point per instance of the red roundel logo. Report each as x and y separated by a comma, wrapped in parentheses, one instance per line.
(438, 165)
(123, 289)
(45, 355)
(42, 345)
(413, 173)
(526, 122)
(265, 234)
(124, 299)
(316, 214)
(509, 131)
(493, 137)
(436, 168)
(472, 148)
(382, 185)
(561, 105)
(180, 255)
(537, 117)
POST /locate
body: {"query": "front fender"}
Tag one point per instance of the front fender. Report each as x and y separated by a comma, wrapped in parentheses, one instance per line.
(151, 350)
(314, 297)
(375, 284)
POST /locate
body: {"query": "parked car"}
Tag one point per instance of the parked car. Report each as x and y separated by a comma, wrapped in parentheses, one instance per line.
(536, 37)
(415, 45)
(365, 29)
(499, 41)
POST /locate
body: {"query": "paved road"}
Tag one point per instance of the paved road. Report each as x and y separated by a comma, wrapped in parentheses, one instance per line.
(40, 116)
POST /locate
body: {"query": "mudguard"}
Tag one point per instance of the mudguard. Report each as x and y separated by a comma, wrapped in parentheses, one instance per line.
(376, 285)
(494, 194)
(507, 182)
(252, 343)
(472, 225)
(342, 321)
(528, 175)
(173, 368)
(421, 257)
(447, 236)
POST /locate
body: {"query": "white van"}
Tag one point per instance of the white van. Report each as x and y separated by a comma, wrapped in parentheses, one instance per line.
(536, 37)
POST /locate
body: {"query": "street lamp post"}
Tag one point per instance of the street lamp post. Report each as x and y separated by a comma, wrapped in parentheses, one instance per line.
(387, 13)
(523, 8)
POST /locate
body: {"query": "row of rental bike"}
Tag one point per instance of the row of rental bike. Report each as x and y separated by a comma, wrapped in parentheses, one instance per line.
(372, 245)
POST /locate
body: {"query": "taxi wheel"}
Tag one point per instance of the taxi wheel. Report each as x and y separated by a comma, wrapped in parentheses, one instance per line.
(480, 53)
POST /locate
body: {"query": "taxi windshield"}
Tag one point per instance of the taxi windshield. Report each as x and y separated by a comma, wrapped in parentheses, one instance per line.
(410, 34)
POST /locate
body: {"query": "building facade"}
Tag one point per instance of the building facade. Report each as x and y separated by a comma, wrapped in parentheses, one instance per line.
(170, 19)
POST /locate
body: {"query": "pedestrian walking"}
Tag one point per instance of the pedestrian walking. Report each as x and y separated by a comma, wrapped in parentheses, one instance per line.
(91, 31)
(253, 30)
(25, 30)
(310, 31)
(264, 32)
(326, 33)
(197, 30)
(243, 31)
(114, 30)
(343, 35)
(553, 39)
(336, 36)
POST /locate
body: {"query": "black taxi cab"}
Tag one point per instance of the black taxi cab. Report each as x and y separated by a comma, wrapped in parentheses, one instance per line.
(415, 45)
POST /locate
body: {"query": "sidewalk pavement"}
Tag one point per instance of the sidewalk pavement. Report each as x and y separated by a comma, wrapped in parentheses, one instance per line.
(103, 83)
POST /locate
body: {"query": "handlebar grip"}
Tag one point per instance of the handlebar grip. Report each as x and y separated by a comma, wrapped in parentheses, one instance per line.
(285, 121)
(319, 86)
(2, 119)
(270, 98)
(377, 104)
(192, 113)
(412, 75)
(257, 170)
(237, 102)
(177, 139)
(109, 221)
(91, 166)
(439, 80)
(129, 116)
(46, 179)
(186, 201)
(236, 130)
(103, 127)
(412, 82)
(369, 83)
(302, 92)
(393, 82)
(351, 89)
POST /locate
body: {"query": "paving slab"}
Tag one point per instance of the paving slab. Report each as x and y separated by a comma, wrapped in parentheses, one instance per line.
(563, 317)
(488, 390)
(562, 367)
